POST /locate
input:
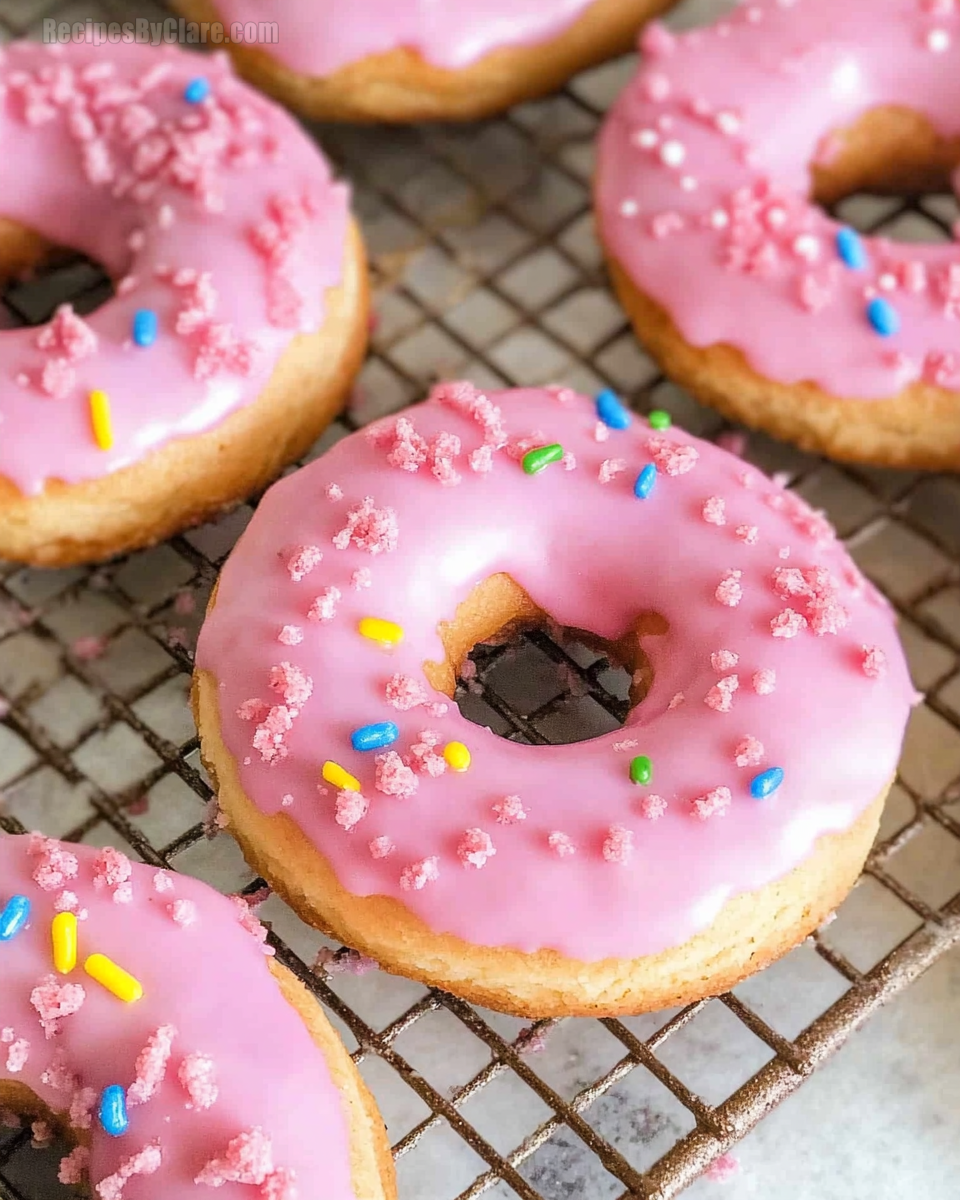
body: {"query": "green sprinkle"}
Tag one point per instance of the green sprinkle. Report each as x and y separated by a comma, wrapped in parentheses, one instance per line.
(641, 769)
(534, 461)
(659, 419)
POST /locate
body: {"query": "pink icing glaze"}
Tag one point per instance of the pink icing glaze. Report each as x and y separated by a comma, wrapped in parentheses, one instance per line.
(220, 216)
(316, 37)
(211, 1053)
(564, 874)
(704, 171)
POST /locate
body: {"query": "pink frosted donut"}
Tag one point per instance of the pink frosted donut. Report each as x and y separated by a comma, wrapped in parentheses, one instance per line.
(406, 60)
(230, 1079)
(240, 308)
(654, 864)
(746, 291)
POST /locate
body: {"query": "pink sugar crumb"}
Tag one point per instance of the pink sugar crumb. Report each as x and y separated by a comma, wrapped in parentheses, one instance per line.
(748, 752)
(510, 810)
(481, 460)
(748, 534)
(111, 869)
(601, 432)
(280, 1184)
(7, 1035)
(247, 918)
(56, 866)
(290, 635)
(610, 468)
(182, 913)
(444, 450)
(42, 1134)
(672, 458)
(361, 578)
(252, 710)
(54, 1001)
(724, 660)
(381, 847)
(675, 702)
(293, 684)
(409, 449)
(729, 590)
(653, 807)
(369, 528)
(394, 777)
(626, 744)
(151, 1065)
(788, 623)
(568, 461)
(73, 1168)
(618, 845)
(68, 335)
(162, 882)
(561, 844)
(8, 1119)
(419, 874)
(351, 808)
(404, 692)
(88, 648)
(302, 561)
(714, 510)
(81, 1107)
(324, 607)
(720, 696)
(17, 1055)
(723, 1169)
(334, 492)
(59, 1076)
(713, 804)
(197, 1075)
(873, 662)
(765, 681)
(145, 1162)
(475, 847)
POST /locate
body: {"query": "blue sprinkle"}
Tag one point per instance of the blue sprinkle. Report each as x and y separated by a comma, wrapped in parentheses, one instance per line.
(851, 249)
(197, 90)
(144, 326)
(610, 411)
(883, 317)
(113, 1110)
(645, 481)
(14, 917)
(766, 783)
(374, 737)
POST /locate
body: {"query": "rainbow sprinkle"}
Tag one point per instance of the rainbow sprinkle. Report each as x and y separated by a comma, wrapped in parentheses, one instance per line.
(113, 1110)
(766, 783)
(337, 777)
(145, 327)
(457, 756)
(534, 461)
(197, 90)
(641, 769)
(611, 411)
(851, 249)
(100, 420)
(115, 979)
(374, 737)
(883, 317)
(645, 481)
(387, 633)
(15, 915)
(63, 932)
(659, 419)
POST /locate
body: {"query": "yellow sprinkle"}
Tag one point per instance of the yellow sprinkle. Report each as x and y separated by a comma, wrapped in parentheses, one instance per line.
(63, 929)
(115, 979)
(335, 775)
(100, 417)
(457, 756)
(385, 632)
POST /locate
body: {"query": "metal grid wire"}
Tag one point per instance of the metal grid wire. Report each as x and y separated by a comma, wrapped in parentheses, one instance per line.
(486, 267)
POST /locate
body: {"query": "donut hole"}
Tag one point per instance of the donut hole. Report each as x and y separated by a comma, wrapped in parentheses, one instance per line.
(510, 667)
(888, 151)
(37, 276)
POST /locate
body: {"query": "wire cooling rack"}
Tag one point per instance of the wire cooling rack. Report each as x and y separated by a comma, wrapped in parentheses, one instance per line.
(486, 267)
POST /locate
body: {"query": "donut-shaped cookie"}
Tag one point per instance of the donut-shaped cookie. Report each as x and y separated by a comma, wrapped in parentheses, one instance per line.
(415, 60)
(743, 289)
(239, 314)
(647, 867)
(141, 1015)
